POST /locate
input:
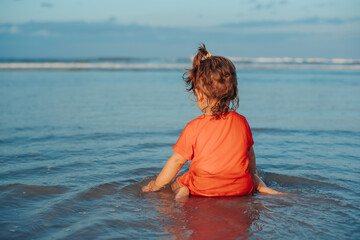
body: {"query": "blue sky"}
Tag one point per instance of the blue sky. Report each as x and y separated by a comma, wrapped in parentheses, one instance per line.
(159, 28)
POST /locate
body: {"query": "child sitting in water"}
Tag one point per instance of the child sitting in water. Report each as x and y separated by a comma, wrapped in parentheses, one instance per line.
(218, 143)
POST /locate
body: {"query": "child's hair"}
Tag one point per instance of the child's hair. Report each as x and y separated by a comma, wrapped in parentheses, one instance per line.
(215, 77)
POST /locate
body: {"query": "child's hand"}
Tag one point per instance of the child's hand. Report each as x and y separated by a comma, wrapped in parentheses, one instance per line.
(262, 188)
(266, 190)
(151, 187)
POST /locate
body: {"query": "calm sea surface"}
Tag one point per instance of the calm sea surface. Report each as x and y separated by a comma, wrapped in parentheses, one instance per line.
(77, 146)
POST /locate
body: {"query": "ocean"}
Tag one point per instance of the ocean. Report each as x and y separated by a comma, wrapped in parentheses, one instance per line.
(80, 137)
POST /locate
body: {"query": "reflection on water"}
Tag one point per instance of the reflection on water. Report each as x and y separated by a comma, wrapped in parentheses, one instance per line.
(207, 218)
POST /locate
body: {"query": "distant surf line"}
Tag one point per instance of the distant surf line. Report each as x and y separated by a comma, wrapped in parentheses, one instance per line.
(184, 60)
(164, 66)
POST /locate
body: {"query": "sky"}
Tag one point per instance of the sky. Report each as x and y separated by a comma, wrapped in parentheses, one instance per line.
(160, 28)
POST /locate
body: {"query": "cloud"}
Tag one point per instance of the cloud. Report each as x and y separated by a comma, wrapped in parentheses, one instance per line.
(260, 6)
(7, 28)
(106, 38)
(47, 5)
(112, 19)
(354, 19)
(265, 5)
(109, 39)
(302, 21)
(46, 33)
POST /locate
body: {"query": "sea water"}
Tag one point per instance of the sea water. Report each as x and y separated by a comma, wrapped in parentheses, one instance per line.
(77, 146)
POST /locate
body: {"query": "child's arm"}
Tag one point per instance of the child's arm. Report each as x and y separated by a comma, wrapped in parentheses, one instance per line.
(259, 184)
(169, 171)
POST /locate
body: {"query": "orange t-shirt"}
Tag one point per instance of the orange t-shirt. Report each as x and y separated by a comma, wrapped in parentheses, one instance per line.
(218, 150)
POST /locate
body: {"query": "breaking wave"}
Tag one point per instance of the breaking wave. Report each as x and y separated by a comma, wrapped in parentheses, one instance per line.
(175, 63)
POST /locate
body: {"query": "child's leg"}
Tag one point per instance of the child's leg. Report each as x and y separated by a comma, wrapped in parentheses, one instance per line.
(181, 192)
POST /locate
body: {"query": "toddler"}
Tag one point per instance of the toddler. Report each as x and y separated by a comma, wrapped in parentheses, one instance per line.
(218, 143)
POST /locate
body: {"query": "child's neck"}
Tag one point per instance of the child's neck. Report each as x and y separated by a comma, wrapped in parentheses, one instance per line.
(208, 112)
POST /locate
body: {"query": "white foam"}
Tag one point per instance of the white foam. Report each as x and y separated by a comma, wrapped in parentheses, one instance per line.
(297, 66)
(85, 66)
(289, 60)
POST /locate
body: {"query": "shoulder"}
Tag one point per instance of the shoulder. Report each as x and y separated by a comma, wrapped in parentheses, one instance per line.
(239, 120)
(196, 123)
(236, 115)
(197, 120)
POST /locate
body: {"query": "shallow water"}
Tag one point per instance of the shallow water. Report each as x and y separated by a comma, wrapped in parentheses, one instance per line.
(77, 146)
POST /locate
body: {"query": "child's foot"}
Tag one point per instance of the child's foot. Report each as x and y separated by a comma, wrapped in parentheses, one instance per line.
(182, 194)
